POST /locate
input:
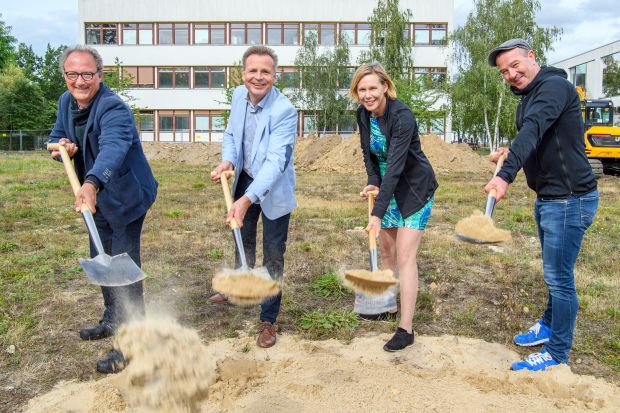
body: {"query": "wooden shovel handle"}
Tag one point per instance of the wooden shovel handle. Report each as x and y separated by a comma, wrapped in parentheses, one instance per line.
(372, 236)
(68, 163)
(227, 195)
(500, 162)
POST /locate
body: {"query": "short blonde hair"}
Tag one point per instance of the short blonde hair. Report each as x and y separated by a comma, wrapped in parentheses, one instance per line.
(368, 69)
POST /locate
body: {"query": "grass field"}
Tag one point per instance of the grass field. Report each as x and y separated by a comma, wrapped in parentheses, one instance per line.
(465, 289)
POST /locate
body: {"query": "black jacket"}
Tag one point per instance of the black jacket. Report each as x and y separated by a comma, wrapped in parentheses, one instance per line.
(408, 175)
(550, 145)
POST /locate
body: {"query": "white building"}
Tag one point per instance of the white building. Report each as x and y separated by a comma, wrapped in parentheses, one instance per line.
(181, 53)
(586, 70)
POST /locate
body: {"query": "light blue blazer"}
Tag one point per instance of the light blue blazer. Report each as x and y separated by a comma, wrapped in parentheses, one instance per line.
(272, 151)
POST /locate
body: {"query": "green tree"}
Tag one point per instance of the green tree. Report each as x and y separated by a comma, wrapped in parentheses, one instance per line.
(45, 72)
(51, 79)
(324, 76)
(7, 49)
(611, 77)
(28, 61)
(21, 100)
(389, 44)
(479, 93)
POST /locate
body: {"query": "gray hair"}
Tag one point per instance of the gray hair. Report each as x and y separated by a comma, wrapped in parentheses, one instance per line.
(261, 51)
(80, 48)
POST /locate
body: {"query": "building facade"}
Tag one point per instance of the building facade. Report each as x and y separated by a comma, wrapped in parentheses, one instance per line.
(183, 54)
(587, 70)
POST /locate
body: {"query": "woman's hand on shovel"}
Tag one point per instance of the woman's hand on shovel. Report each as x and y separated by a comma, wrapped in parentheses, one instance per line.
(374, 223)
(368, 188)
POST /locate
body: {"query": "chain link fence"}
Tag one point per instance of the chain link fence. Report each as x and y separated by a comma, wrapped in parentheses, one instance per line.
(24, 139)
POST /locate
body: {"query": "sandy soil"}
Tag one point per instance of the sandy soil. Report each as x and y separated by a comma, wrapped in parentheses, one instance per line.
(330, 153)
(444, 374)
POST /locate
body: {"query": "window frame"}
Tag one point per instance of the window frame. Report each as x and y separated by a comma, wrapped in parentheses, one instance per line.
(101, 27)
(210, 29)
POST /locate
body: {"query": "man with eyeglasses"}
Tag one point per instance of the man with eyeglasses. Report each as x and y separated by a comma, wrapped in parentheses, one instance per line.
(98, 130)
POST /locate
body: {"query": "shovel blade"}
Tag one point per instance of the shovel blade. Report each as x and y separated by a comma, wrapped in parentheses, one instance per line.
(114, 271)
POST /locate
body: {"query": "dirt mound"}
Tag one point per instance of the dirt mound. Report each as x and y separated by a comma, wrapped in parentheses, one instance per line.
(199, 153)
(453, 157)
(445, 373)
(331, 154)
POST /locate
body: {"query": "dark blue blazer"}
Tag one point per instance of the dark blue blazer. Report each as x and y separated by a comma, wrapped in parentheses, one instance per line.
(112, 152)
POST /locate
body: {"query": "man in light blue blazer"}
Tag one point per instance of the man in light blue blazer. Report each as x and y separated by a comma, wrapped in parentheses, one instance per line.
(258, 144)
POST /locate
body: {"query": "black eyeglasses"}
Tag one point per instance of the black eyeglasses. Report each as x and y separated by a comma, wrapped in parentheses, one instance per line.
(85, 75)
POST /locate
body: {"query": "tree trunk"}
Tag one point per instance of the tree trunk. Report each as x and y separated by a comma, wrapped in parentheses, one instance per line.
(495, 142)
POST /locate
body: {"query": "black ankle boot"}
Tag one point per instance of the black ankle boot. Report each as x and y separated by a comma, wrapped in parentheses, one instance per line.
(399, 341)
(113, 362)
(102, 330)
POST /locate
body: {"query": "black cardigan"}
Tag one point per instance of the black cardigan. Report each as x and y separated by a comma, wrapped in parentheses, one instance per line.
(409, 176)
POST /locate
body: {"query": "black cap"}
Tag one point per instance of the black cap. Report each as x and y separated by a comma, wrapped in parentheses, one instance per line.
(508, 45)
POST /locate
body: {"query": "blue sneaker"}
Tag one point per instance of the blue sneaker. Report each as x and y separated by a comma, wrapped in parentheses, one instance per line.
(537, 335)
(535, 362)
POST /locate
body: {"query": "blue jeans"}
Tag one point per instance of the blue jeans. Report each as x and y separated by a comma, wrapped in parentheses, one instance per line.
(275, 233)
(127, 302)
(561, 225)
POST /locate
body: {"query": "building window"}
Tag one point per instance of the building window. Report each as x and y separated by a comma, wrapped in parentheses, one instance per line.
(612, 63)
(210, 77)
(145, 122)
(357, 34)
(431, 77)
(141, 76)
(173, 33)
(282, 34)
(174, 126)
(137, 33)
(287, 77)
(325, 32)
(208, 33)
(348, 77)
(208, 126)
(430, 34)
(146, 126)
(245, 33)
(177, 77)
(578, 75)
(103, 33)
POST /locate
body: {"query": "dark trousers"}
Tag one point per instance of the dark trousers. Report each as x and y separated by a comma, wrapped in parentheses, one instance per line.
(124, 303)
(275, 233)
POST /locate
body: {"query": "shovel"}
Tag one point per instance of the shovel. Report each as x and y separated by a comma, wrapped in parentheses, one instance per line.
(373, 282)
(478, 228)
(102, 270)
(242, 286)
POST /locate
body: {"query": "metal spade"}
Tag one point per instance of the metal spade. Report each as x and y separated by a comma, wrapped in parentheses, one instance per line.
(102, 270)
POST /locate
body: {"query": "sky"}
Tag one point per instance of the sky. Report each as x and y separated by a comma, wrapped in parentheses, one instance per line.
(587, 24)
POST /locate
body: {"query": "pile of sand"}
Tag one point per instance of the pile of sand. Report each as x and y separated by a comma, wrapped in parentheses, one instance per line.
(436, 374)
(329, 153)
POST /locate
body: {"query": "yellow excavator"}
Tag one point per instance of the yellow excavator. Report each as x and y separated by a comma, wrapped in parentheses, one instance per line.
(602, 138)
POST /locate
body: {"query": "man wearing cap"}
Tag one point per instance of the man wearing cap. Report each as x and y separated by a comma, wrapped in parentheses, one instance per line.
(550, 148)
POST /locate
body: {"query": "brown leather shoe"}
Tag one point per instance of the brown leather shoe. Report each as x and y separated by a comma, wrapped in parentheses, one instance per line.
(218, 298)
(267, 335)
